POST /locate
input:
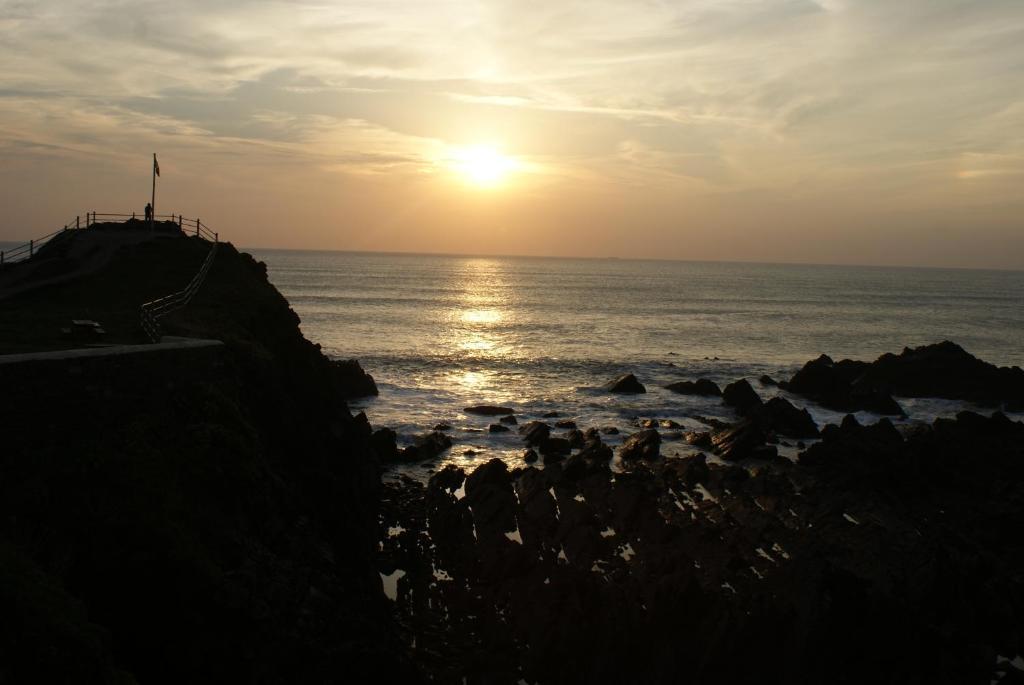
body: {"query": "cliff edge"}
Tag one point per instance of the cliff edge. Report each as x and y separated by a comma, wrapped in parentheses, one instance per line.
(206, 515)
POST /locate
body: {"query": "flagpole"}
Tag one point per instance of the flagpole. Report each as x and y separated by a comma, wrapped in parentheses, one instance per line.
(152, 202)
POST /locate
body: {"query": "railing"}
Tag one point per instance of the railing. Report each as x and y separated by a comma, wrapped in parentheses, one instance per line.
(150, 313)
(187, 226)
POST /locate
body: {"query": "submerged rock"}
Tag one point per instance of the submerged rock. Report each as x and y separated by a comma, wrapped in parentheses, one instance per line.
(509, 420)
(625, 384)
(488, 410)
(498, 428)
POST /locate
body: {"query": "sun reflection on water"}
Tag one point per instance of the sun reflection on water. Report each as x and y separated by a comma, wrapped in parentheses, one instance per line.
(478, 326)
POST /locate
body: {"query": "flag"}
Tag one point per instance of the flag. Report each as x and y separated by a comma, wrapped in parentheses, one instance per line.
(156, 167)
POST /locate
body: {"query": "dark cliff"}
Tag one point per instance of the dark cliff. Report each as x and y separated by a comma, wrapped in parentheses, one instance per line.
(205, 515)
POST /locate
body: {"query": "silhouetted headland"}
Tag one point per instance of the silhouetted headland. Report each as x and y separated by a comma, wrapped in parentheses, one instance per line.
(209, 509)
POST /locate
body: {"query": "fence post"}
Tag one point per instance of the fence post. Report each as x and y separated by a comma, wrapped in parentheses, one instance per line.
(76, 222)
(31, 247)
(216, 239)
(198, 224)
(1, 256)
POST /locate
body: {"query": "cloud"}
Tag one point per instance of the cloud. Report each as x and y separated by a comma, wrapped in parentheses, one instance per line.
(693, 98)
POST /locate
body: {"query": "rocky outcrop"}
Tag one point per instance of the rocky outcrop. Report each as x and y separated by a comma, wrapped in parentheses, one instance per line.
(200, 522)
(946, 370)
(352, 381)
(777, 569)
(840, 386)
(625, 384)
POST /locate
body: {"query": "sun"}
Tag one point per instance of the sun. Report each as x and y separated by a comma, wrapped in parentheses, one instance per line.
(481, 165)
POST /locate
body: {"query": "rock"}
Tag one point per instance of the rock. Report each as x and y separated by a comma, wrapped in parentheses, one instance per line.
(702, 386)
(488, 410)
(698, 438)
(554, 447)
(449, 478)
(565, 423)
(498, 428)
(625, 384)
(469, 453)
(744, 440)
(351, 380)
(610, 430)
(426, 447)
(842, 386)
(443, 427)
(945, 370)
(509, 420)
(740, 396)
(768, 380)
(529, 456)
(592, 434)
(535, 432)
(646, 445)
(490, 496)
(384, 444)
(669, 423)
(575, 438)
(782, 417)
(597, 451)
(693, 470)
(550, 415)
(646, 423)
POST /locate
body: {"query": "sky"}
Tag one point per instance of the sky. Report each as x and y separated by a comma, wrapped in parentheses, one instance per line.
(824, 131)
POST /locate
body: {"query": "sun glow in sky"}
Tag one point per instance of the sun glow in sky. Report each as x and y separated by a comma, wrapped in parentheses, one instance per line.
(827, 131)
(482, 165)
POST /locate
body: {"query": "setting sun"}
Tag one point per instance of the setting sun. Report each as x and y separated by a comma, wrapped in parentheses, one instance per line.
(481, 165)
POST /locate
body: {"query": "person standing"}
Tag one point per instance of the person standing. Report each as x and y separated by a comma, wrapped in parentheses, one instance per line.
(149, 212)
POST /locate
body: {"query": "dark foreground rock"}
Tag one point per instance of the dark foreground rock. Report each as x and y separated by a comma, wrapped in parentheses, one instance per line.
(352, 381)
(876, 558)
(425, 447)
(205, 516)
(643, 445)
(625, 384)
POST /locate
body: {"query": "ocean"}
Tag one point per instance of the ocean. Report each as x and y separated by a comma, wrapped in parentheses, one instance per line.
(540, 335)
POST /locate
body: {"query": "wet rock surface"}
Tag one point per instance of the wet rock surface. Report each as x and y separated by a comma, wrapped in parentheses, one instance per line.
(878, 555)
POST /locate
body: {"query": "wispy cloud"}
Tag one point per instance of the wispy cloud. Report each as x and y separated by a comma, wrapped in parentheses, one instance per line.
(698, 98)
